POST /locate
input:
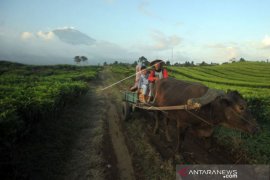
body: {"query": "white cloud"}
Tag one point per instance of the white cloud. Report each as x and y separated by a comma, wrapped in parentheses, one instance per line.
(65, 28)
(223, 51)
(159, 45)
(164, 42)
(217, 45)
(266, 42)
(142, 8)
(231, 52)
(45, 35)
(26, 35)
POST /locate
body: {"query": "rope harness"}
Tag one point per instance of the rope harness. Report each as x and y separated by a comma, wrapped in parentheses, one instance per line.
(187, 108)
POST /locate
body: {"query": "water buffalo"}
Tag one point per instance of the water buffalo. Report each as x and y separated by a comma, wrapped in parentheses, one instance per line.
(228, 110)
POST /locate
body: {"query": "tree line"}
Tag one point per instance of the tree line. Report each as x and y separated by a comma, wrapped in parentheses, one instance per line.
(144, 60)
(79, 59)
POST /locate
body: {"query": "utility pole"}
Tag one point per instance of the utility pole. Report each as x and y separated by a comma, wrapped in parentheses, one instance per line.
(172, 54)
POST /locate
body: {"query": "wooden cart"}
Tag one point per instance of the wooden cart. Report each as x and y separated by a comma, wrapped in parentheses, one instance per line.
(131, 103)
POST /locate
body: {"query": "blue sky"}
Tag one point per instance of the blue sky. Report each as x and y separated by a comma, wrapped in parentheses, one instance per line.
(209, 30)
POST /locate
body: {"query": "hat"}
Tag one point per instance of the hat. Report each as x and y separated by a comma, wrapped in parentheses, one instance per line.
(156, 61)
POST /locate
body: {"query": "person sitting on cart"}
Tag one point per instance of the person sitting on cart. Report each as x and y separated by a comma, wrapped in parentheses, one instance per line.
(157, 73)
(143, 85)
(137, 76)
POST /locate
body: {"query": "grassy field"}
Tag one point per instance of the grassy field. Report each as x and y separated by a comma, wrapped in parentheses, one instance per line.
(30, 93)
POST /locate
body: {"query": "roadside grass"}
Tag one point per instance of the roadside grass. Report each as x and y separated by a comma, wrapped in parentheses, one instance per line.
(146, 159)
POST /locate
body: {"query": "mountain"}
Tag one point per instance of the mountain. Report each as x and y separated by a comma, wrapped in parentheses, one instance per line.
(73, 36)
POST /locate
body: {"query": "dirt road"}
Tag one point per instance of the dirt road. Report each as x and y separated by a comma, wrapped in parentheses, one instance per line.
(123, 158)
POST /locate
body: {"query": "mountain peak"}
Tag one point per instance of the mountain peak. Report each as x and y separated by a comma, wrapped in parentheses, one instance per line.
(73, 36)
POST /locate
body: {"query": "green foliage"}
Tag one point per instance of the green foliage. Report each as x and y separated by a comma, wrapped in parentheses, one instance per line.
(143, 60)
(242, 60)
(79, 59)
(29, 93)
(123, 70)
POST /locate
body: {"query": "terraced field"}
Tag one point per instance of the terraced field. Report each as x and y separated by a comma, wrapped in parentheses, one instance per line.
(252, 80)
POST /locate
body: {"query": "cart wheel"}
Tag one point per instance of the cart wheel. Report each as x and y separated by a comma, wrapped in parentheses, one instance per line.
(126, 110)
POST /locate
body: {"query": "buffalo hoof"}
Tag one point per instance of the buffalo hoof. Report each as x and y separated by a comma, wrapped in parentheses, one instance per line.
(168, 138)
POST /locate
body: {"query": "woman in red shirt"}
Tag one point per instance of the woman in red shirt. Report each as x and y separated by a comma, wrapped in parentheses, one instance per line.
(157, 73)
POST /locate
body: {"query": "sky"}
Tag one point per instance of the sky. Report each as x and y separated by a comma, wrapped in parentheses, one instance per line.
(175, 30)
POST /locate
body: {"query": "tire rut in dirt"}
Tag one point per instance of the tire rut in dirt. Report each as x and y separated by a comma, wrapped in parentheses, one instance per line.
(124, 162)
(114, 120)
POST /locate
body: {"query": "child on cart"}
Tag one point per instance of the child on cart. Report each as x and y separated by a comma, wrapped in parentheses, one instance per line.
(143, 85)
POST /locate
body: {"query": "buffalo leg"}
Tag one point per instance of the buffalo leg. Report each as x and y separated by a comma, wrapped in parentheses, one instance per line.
(181, 133)
(166, 122)
(156, 122)
(182, 137)
(178, 135)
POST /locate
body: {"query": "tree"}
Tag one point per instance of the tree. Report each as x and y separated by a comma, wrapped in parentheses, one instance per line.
(84, 59)
(135, 63)
(214, 64)
(115, 63)
(168, 63)
(242, 60)
(187, 63)
(77, 59)
(232, 60)
(105, 63)
(203, 64)
(143, 60)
